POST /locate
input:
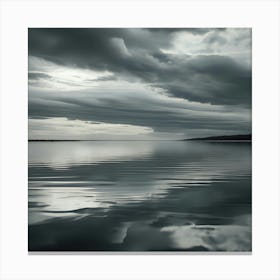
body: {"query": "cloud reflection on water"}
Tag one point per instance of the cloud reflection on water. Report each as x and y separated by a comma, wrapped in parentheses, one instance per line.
(142, 196)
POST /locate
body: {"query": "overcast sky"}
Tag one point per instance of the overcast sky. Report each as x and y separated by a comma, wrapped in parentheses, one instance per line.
(139, 83)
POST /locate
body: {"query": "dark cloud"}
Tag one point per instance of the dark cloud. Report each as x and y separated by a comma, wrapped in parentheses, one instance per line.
(136, 53)
(209, 74)
(211, 79)
(106, 78)
(37, 76)
(92, 48)
(160, 115)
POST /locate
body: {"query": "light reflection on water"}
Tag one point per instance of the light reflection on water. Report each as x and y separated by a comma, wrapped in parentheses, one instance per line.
(139, 196)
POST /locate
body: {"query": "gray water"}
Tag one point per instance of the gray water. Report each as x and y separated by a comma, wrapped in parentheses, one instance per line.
(139, 196)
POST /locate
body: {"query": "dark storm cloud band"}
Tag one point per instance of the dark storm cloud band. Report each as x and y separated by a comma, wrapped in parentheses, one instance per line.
(159, 115)
(137, 53)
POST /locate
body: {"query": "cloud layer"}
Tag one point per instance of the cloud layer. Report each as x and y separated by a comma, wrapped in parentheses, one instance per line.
(175, 82)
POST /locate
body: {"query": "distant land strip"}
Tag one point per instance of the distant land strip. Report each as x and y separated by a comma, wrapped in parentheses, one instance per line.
(225, 138)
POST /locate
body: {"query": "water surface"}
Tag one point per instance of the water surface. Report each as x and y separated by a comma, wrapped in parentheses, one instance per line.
(139, 196)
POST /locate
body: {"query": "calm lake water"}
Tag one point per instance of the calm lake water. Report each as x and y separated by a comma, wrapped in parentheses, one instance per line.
(139, 196)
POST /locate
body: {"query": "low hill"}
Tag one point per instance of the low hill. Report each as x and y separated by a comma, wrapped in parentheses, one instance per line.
(239, 137)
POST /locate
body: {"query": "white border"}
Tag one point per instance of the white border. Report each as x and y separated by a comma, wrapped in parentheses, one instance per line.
(262, 16)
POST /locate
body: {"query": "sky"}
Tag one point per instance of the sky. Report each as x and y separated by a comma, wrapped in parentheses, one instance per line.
(138, 84)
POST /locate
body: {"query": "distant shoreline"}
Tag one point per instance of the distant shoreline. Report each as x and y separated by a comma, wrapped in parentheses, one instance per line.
(224, 138)
(221, 141)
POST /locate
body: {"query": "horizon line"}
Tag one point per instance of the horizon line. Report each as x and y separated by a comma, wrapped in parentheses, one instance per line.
(105, 139)
(232, 137)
